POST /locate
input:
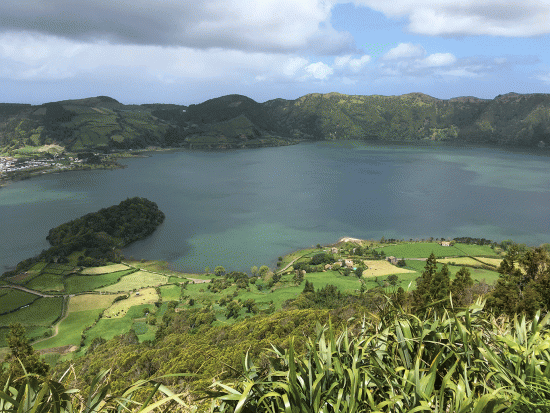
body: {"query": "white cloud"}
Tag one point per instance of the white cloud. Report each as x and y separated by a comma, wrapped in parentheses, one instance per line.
(438, 59)
(349, 63)
(293, 65)
(319, 70)
(405, 51)
(508, 18)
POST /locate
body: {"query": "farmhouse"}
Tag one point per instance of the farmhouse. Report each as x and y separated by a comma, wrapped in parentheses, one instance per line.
(349, 263)
(392, 260)
(445, 243)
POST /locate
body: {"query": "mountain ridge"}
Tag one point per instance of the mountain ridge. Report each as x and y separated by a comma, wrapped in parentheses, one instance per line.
(236, 121)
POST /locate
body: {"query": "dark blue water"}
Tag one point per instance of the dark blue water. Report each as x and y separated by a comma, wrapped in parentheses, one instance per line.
(244, 208)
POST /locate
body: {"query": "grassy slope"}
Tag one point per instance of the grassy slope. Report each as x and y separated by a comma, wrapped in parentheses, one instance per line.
(119, 317)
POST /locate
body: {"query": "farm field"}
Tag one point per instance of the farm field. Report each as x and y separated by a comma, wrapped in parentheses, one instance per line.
(170, 292)
(424, 249)
(42, 312)
(86, 302)
(84, 283)
(107, 328)
(12, 299)
(106, 269)
(382, 268)
(473, 262)
(478, 274)
(120, 308)
(135, 281)
(321, 279)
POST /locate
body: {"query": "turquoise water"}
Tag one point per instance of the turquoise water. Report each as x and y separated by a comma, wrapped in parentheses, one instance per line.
(244, 208)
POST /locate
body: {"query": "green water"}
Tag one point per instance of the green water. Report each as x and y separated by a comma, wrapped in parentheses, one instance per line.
(244, 208)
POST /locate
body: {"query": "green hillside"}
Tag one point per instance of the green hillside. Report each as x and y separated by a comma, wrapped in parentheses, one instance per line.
(235, 121)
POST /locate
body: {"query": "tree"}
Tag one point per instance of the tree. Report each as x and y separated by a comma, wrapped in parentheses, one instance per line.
(463, 281)
(22, 351)
(233, 309)
(440, 286)
(421, 295)
(219, 271)
(308, 287)
(251, 306)
(264, 269)
(254, 271)
(298, 277)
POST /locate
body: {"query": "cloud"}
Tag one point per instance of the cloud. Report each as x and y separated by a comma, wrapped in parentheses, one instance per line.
(347, 62)
(508, 18)
(438, 59)
(261, 25)
(405, 51)
(319, 70)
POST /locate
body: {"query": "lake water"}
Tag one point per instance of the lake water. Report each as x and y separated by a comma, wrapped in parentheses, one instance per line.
(247, 207)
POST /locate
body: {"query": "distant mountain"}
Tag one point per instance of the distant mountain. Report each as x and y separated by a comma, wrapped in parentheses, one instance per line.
(235, 121)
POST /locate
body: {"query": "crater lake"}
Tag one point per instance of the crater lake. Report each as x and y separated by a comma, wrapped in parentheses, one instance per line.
(247, 207)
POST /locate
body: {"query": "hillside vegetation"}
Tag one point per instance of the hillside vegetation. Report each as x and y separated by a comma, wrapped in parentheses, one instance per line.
(235, 121)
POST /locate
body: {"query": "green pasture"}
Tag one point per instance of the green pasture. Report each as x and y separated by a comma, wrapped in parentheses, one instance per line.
(473, 250)
(345, 284)
(170, 292)
(11, 299)
(136, 281)
(478, 274)
(420, 250)
(42, 312)
(82, 283)
(46, 282)
(107, 328)
(70, 329)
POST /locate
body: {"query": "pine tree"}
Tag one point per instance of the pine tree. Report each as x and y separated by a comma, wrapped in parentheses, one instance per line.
(22, 351)
(463, 280)
(422, 294)
(440, 287)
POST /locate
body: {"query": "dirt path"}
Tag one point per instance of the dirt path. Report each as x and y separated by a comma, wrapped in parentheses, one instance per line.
(56, 326)
(28, 290)
(289, 264)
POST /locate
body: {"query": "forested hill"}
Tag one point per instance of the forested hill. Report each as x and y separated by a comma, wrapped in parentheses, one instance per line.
(235, 121)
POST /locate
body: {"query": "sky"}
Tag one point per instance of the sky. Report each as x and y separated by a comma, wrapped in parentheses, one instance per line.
(189, 51)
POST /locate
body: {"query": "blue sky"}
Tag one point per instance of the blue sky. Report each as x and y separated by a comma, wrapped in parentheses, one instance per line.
(184, 52)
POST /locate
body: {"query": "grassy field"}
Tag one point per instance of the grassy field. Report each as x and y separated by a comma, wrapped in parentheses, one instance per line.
(107, 328)
(419, 250)
(478, 274)
(86, 302)
(120, 308)
(42, 312)
(70, 329)
(84, 283)
(424, 249)
(107, 269)
(382, 268)
(47, 282)
(170, 292)
(11, 299)
(136, 281)
(82, 310)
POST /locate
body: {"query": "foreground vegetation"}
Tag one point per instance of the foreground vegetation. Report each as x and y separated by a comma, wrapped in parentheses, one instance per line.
(392, 361)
